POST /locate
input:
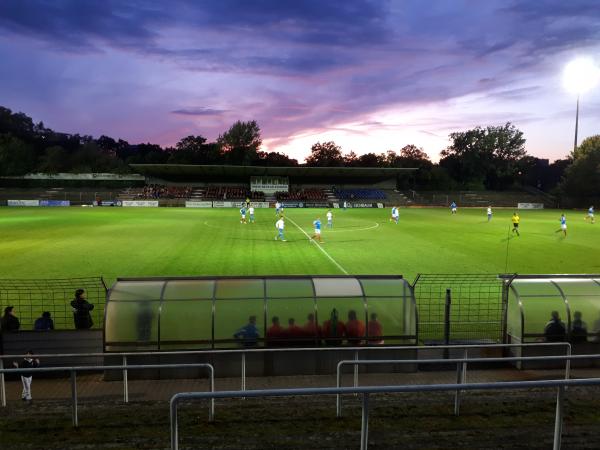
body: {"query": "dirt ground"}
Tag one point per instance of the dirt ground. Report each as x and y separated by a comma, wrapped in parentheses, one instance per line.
(504, 420)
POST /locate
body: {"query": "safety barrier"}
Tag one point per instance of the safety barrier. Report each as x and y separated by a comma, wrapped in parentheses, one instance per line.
(243, 352)
(366, 391)
(73, 371)
(461, 366)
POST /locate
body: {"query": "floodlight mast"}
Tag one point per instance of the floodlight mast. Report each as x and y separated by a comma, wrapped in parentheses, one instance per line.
(580, 75)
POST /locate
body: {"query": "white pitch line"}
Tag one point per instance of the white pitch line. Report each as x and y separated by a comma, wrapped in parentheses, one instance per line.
(353, 229)
(320, 248)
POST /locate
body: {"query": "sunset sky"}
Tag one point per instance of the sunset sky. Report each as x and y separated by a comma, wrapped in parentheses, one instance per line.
(370, 75)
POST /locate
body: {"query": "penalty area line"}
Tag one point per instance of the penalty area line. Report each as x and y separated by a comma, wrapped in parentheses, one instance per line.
(320, 248)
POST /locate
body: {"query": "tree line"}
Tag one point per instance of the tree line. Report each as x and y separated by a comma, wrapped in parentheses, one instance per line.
(491, 157)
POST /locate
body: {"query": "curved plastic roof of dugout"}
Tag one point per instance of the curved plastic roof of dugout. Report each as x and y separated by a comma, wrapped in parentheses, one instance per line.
(184, 313)
(532, 298)
(185, 170)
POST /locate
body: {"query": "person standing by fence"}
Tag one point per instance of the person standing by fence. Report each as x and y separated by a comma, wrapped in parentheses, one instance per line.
(26, 377)
(9, 321)
(81, 311)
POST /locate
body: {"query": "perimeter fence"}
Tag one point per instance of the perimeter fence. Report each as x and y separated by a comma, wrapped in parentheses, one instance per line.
(460, 308)
(30, 298)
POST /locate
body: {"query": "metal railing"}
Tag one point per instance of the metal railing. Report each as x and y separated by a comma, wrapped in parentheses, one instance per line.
(73, 375)
(366, 391)
(243, 352)
(461, 369)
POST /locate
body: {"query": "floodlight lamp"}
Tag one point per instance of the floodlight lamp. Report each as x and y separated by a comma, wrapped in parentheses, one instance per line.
(581, 75)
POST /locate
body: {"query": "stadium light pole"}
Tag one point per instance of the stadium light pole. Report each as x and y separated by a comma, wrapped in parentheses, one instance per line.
(580, 75)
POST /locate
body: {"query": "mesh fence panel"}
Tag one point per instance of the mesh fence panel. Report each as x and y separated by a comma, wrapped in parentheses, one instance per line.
(32, 297)
(477, 308)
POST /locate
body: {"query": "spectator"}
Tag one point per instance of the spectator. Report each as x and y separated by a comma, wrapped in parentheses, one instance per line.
(26, 377)
(275, 333)
(44, 323)
(311, 329)
(555, 330)
(294, 333)
(333, 329)
(355, 329)
(144, 321)
(9, 321)
(578, 329)
(81, 311)
(375, 330)
(248, 334)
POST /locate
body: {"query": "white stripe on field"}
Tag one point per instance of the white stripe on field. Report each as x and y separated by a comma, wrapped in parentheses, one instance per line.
(320, 248)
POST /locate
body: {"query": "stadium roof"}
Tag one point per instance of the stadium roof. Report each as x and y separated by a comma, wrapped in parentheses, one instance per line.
(159, 170)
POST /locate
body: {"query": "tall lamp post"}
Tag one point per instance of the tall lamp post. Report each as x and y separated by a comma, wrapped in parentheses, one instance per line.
(580, 76)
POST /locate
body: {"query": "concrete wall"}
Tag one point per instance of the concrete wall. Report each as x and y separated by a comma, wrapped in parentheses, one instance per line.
(57, 341)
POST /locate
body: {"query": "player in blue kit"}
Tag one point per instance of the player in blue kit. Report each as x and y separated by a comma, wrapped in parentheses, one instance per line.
(453, 208)
(243, 214)
(563, 225)
(590, 215)
(317, 225)
(395, 215)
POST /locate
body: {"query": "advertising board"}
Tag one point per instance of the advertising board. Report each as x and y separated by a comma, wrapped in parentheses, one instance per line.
(198, 204)
(23, 203)
(293, 204)
(55, 203)
(530, 206)
(141, 203)
(363, 205)
(316, 205)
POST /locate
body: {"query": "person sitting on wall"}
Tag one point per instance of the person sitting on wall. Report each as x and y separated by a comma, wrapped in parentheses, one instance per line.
(248, 334)
(555, 330)
(294, 334)
(311, 329)
(275, 333)
(375, 330)
(9, 321)
(333, 329)
(44, 323)
(81, 311)
(579, 331)
(355, 329)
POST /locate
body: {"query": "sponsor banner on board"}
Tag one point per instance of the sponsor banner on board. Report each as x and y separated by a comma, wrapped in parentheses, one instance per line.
(260, 204)
(141, 203)
(293, 204)
(23, 203)
(55, 203)
(108, 203)
(198, 204)
(220, 204)
(380, 205)
(316, 204)
(363, 205)
(530, 206)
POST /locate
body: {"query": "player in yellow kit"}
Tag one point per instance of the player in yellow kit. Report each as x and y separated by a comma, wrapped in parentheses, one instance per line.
(515, 221)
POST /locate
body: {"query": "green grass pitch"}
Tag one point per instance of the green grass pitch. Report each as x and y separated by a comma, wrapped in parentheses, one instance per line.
(118, 242)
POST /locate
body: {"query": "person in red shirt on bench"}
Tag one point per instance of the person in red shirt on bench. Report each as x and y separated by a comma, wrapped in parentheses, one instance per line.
(275, 333)
(294, 334)
(375, 330)
(355, 329)
(312, 331)
(334, 329)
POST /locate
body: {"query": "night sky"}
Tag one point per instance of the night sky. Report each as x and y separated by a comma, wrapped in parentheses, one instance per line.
(371, 75)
